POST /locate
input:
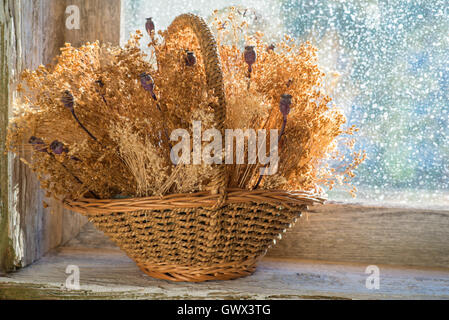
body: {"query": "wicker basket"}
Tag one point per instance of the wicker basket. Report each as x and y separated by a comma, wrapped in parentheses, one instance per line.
(213, 235)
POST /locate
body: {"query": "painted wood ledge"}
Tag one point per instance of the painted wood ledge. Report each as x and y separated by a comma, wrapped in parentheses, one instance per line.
(327, 257)
(369, 235)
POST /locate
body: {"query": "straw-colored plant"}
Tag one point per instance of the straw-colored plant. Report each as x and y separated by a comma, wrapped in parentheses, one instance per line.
(95, 125)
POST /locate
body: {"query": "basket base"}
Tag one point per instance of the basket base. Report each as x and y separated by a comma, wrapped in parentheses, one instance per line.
(180, 273)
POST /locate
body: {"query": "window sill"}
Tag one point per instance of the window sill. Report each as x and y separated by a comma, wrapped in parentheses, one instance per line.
(360, 233)
(300, 267)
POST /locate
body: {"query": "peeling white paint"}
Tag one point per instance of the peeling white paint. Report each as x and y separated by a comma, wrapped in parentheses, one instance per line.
(15, 231)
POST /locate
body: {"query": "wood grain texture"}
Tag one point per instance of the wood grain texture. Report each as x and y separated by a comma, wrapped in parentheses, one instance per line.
(37, 30)
(7, 45)
(100, 20)
(370, 235)
(107, 273)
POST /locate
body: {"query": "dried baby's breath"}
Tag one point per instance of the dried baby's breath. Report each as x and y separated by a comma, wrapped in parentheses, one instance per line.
(116, 138)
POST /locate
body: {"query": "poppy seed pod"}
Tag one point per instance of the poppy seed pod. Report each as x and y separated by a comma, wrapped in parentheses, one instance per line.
(284, 105)
(67, 100)
(250, 57)
(147, 83)
(38, 144)
(58, 147)
(190, 58)
(149, 26)
(35, 141)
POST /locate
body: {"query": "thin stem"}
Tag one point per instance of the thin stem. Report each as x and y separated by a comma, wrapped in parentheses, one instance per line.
(83, 127)
(73, 175)
(165, 129)
(284, 123)
(258, 182)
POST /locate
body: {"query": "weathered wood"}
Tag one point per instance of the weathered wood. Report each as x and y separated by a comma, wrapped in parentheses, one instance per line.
(355, 234)
(99, 20)
(37, 29)
(370, 235)
(107, 273)
(7, 44)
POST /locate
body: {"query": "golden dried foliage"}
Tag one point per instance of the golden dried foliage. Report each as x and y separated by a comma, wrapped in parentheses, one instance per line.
(124, 148)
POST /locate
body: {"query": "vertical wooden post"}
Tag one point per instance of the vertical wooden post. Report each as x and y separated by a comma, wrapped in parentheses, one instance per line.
(32, 32)
(7, 43)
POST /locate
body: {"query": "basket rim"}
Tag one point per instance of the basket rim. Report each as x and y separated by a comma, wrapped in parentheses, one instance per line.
(288, 199)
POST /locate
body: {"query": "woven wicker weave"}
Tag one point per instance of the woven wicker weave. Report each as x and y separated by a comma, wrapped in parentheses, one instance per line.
(183, 237)
(213, 235)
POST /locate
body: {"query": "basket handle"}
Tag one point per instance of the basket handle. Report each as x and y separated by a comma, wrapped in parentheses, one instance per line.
(214, 78)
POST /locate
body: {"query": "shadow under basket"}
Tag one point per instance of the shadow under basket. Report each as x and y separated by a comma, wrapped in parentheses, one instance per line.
(185, 237)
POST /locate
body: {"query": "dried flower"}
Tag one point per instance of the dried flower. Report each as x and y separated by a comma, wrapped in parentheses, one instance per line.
(38, 144)
(147, 83)
(58, 147)
(250, 58)
(35, 141)
(284, 105)
(149, 26)
(69, 102)
(133, 158)
(190, 58)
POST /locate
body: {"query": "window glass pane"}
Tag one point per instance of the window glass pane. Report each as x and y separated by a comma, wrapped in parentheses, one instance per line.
(391, 58)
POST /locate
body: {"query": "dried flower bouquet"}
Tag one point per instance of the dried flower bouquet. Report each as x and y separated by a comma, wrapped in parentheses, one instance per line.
(113, 128)
(97, 124)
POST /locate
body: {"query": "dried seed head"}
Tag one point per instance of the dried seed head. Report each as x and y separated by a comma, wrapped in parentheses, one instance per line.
(250, 58)
(147, 83)
(38, 144)
(58, 147)
(35, 141)
(68, 100)
(149, 26)
(250, 55)
(284, 105)
(190, 58)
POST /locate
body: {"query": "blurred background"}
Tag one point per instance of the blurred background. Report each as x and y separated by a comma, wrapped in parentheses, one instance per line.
(391, 58)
